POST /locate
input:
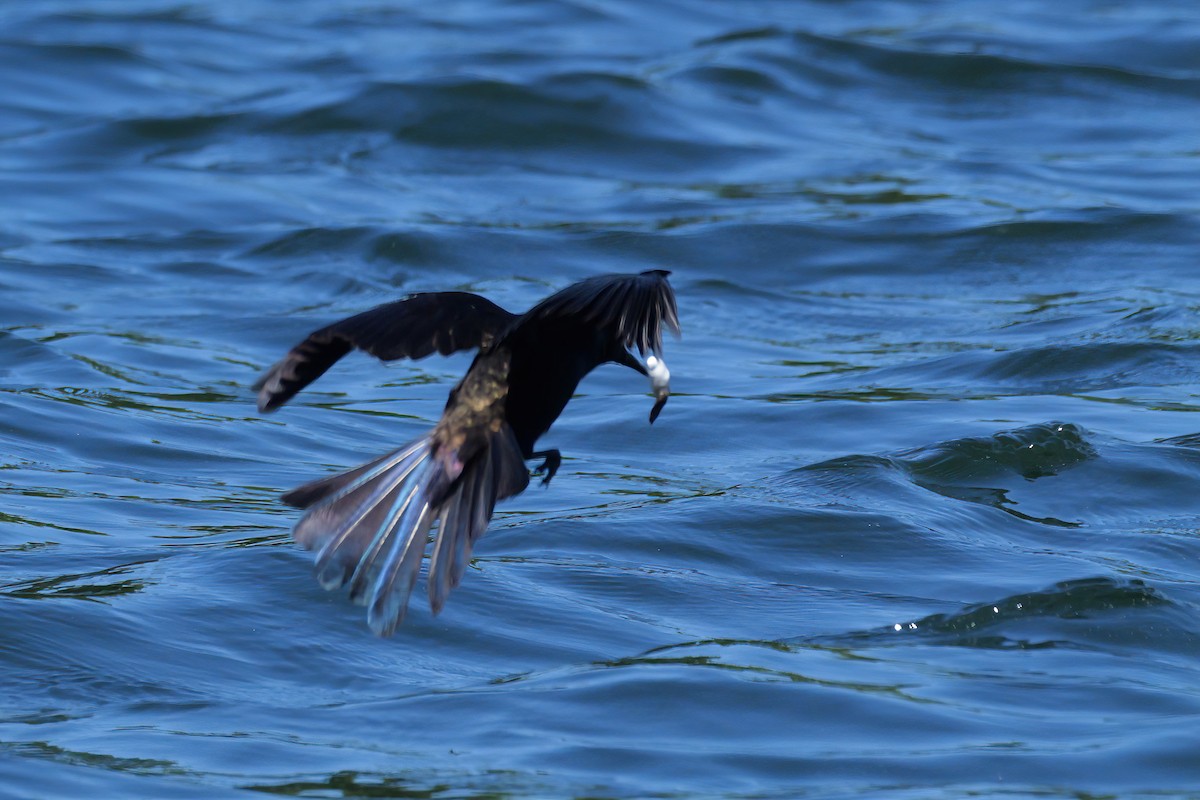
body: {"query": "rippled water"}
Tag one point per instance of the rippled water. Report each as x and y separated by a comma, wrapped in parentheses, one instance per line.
(921, 520)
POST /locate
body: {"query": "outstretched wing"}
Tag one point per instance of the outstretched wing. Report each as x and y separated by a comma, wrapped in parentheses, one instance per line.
(632, 308)
(411, 328)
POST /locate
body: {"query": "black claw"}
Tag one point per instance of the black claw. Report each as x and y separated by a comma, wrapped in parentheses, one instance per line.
(553, 459)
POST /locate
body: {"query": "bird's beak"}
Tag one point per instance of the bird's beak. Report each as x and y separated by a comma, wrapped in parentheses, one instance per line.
(660, 384)
(659, 401)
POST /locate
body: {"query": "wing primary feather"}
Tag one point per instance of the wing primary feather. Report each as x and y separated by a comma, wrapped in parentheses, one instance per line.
(631, 308)
(624, 299)
(410, 328)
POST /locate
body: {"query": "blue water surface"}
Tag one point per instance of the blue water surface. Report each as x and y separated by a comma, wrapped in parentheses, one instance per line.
(919, 522)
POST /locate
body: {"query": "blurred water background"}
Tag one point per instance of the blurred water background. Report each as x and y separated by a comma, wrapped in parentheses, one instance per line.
(920, 521)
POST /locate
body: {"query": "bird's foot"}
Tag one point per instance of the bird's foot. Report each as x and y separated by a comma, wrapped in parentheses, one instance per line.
(553, 459)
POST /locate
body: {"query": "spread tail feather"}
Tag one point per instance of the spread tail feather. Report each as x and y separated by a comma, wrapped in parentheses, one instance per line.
(369, 525)
(498, 472)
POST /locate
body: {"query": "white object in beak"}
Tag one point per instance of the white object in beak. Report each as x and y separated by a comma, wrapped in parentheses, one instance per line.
(660, 376)
(660, 384)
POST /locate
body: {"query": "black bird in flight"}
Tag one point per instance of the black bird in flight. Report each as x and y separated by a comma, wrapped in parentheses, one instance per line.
(370, 525)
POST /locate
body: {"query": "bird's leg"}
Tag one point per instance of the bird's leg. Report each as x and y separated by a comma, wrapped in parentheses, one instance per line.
(553, 459)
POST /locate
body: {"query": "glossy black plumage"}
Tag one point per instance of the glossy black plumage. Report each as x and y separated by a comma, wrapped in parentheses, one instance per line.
(370, 524)
(415, 327)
